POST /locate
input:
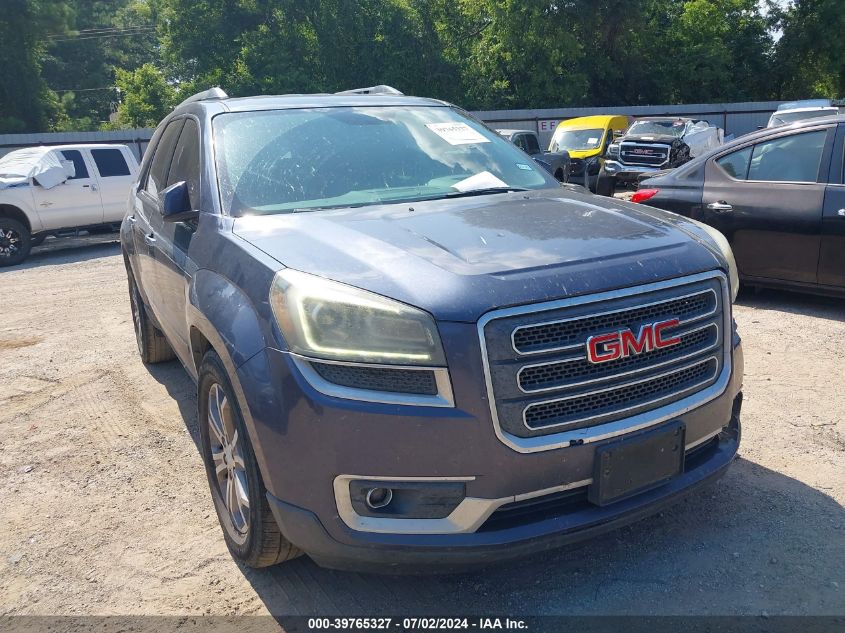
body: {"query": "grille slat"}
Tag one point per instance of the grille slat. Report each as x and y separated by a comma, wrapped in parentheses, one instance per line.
(555, 335)
(541, 381)
(600, 403)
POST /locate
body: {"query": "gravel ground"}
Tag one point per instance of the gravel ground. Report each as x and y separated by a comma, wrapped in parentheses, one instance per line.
(107, 510)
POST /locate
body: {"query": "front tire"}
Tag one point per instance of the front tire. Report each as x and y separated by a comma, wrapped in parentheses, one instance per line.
(15, 242)
(240, 498)
(152, 345)
(605, 185)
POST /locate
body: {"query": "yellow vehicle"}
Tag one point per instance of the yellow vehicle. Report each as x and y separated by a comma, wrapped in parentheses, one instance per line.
(586, 139)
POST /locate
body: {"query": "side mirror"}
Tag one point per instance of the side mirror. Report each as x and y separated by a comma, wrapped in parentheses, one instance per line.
(617, 134)
(175, 203)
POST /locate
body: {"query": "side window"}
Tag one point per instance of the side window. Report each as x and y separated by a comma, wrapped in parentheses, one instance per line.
(736, 163)
(794, 158)
(531, 144)
(157, 179)
(110, 162)
(186, 161)
(519, 141)
(78, 162)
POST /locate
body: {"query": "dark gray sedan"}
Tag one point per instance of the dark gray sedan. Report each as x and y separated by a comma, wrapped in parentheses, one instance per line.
(778, 195)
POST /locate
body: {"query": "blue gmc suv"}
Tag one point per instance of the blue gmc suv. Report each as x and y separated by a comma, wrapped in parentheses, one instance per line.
(412, 346)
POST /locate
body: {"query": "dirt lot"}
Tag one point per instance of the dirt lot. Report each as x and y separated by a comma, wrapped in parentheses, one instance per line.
(106, 509)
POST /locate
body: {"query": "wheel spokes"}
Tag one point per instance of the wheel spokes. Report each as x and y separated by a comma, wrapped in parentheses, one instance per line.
(228, 459)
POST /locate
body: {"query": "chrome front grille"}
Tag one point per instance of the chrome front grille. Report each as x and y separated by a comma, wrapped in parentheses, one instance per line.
(541, 382)
(649, 154)
(573, 409)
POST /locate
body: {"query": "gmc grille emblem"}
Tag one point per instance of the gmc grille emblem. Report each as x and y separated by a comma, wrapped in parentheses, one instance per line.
(604, 348)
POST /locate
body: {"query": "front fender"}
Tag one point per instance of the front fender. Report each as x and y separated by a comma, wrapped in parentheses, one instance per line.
(220, 313)
(226, 317)
(21, 199)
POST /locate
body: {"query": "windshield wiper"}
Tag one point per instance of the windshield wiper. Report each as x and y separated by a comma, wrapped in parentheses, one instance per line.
(483, 191)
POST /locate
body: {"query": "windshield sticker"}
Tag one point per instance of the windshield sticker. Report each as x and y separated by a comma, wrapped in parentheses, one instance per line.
(524, 167)
(484, 180)
(457, 133)
(592, 140)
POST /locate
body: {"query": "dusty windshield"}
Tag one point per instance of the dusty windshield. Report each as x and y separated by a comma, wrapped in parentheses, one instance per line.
(574, 140)
(285, 161)
(657, 128)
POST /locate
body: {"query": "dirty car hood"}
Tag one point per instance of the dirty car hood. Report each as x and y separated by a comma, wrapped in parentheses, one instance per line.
(650, 138)
(462, 257)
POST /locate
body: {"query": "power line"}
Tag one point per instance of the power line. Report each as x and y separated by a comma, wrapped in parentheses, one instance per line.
(81, 37)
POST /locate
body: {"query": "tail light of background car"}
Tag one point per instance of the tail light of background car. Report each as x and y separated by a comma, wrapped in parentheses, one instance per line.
(644, 194)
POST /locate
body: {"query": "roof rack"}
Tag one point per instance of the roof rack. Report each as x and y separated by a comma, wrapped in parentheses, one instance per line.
(205, 95)
(372, 90)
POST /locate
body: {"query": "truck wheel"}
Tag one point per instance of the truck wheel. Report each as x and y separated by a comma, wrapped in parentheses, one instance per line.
(240, 498)
(15, 242)
(605, 185)
(152, 345)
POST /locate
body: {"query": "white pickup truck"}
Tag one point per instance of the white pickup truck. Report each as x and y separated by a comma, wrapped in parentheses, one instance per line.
(50, 190)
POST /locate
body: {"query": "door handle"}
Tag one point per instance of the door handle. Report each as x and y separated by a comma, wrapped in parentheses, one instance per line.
(720, 207)
(150, 239)
(841, 213)
(131, 219)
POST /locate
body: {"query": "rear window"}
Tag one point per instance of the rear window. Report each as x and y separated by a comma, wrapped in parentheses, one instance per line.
(736, 164)
(110, 162)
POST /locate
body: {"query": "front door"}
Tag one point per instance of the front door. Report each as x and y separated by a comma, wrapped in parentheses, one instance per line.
(174, 267)
(767, 200)
(76, 202)
(148, 221)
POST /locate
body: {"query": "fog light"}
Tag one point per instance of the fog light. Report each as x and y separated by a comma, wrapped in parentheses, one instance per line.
(379, 497)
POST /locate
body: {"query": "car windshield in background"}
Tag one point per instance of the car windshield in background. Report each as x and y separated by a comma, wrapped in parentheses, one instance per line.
(792, 117)
(574, 140)
(286, 161)
(656, 128)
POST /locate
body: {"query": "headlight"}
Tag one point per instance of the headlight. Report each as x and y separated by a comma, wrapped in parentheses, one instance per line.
(721, 242)
(330, 320)
(613, 150)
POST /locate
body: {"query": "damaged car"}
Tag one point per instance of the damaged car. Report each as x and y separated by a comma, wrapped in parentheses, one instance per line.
(653, 145)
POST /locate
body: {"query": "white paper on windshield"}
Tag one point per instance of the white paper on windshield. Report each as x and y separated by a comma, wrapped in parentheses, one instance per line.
(484, 180)
(457, 133)
(592, 140)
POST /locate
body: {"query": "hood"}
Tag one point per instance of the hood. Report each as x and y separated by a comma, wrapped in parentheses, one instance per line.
(584, 153)
(462, 257)
(666, 139)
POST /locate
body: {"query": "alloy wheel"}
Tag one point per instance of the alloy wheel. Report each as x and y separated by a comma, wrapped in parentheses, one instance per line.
(10, 242)
(228, 459)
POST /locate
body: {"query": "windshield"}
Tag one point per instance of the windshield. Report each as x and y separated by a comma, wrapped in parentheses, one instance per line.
(669, 127)
(285, 161)
(574, 140)
(791, 117)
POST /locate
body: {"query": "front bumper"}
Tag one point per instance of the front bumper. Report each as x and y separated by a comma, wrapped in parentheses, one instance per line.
(450, 553)
(305, 440)
(629, 173)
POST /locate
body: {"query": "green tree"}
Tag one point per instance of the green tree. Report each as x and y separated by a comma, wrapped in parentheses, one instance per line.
(147, 96)
(26, 103)
(80, 64)
(810, 56)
